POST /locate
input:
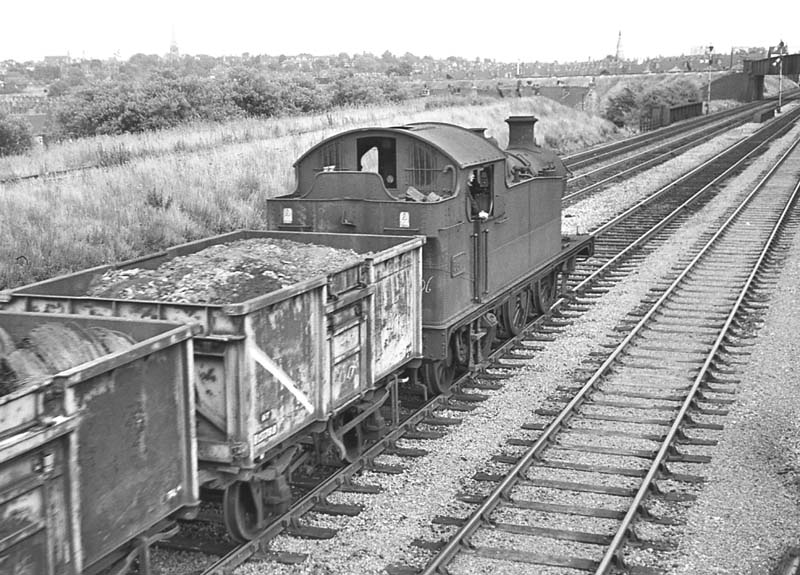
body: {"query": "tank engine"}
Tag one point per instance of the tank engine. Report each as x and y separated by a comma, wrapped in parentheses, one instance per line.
(492, 217)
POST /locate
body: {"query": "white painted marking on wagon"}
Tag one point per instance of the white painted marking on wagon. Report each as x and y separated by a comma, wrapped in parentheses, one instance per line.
(267, 363)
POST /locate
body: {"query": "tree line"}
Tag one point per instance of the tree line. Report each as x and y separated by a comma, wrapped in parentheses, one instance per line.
(164, 99)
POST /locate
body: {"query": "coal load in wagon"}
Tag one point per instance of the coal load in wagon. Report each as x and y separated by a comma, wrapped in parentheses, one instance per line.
(52, 348)
(225, 273)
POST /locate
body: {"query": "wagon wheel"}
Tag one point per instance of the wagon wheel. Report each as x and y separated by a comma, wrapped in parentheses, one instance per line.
(248, 505)
(439, 374)
(515, 313)
(544, 295)
(243, 509)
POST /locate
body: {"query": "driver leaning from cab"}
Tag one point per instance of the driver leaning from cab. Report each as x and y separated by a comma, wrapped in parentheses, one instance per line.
(479, 196)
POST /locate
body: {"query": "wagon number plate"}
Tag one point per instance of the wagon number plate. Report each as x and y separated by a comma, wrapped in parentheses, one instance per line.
(266, 433)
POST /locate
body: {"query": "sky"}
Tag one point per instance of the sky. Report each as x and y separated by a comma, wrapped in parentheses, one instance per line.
(514, 30)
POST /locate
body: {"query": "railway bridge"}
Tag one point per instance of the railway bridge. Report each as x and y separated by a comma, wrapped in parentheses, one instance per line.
(788, 64)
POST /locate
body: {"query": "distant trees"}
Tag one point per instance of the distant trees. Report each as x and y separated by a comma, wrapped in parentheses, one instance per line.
(161, 102)
(621, 105)
(367, 89)
(165, 99)
(627, 102)
(15, 135)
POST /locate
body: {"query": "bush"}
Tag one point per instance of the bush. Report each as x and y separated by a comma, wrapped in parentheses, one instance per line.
(368, 89)
(620, 106)
(15, 136)
(159, 102)
(163, 100)
(627, 102)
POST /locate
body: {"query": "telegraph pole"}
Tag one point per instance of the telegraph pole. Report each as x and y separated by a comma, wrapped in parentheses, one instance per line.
(710, 52)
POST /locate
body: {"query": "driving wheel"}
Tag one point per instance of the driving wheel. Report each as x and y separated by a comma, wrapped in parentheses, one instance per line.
(515, 314)
(544, 295)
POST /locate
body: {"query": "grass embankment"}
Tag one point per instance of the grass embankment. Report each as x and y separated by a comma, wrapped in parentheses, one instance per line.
(184, 184)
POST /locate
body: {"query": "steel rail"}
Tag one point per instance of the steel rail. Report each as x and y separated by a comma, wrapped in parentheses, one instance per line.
(644, 238)
(502, 490)
(785, 126)
(607, 149)
(727, 125)
(602, 151)
(611, 555)
(244, 551)
(664, 156)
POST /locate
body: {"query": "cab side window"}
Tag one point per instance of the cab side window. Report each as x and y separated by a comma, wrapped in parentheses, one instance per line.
(480, 192)
(330, 156)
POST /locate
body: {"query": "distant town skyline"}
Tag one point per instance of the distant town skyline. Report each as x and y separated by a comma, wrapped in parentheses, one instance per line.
(510, 31)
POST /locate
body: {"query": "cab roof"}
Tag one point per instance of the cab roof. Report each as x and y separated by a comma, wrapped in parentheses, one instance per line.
(463, 146)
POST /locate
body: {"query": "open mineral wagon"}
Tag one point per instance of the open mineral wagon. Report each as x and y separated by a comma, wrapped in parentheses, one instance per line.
(98, 454)
(309, 359)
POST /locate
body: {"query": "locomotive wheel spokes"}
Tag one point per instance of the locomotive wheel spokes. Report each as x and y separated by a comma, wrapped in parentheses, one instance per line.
(438, 375)
(533, 310)
(243, 509)
(544, 295)
(515, 313)
(461, 347)
(488, 324)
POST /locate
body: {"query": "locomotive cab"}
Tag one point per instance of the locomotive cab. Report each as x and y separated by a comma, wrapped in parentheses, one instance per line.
(492, 218)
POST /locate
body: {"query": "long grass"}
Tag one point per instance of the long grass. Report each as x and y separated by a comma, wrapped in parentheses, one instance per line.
(165, 195)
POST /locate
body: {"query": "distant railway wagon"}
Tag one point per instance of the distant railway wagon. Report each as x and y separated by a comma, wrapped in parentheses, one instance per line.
(313, 357)
(492, 219)
(95, 457)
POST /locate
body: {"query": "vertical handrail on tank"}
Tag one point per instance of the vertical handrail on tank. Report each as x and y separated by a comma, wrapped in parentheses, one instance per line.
(476, 272)
(485, 261)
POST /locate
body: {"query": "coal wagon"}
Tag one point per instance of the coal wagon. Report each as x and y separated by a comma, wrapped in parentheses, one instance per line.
(95, 459)
(312, 358)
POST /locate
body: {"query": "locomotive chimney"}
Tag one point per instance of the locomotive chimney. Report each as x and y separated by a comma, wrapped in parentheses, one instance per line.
(520, 131)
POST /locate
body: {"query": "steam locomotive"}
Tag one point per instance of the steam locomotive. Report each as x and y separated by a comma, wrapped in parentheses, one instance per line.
(494, 252)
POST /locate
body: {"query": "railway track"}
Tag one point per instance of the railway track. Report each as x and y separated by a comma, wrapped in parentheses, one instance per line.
(667, 147)
(609, 151)
(601, 461)
(624, 235)
(593, 277)
(315, 499)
